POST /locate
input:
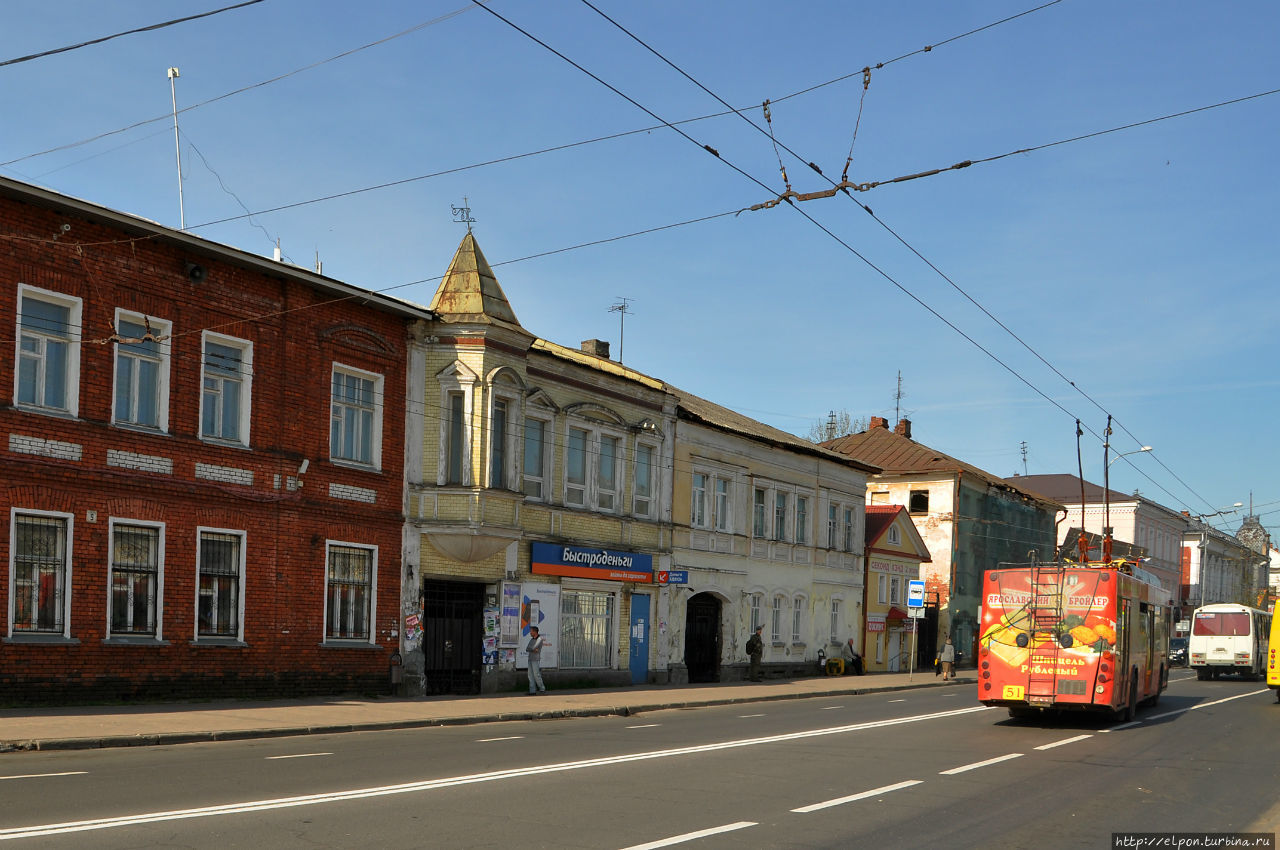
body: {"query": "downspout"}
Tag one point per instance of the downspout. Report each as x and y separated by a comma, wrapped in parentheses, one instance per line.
(955, 549)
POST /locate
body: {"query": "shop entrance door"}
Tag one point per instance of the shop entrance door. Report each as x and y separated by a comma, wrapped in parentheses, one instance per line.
(639, 638)
(452, 636)
(702, 638)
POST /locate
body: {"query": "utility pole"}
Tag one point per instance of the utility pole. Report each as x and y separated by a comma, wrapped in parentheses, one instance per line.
(897, 401)
(621, 308)
(1024, 458)
(173, 95)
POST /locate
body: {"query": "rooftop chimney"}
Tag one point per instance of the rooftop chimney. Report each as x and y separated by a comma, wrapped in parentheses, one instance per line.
(878, 422)
(596, 348)
(904, 428)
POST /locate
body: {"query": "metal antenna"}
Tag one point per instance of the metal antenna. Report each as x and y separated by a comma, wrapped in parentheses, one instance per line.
(462, 214)
(897, 400)
(1024, 457)
(177, 145)
(622, 309)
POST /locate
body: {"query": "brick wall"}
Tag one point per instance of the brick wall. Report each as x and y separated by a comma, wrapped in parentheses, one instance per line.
(96, 472)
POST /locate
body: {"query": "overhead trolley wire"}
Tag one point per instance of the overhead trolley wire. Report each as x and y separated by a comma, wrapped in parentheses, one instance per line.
(953, 284)
(150, 28)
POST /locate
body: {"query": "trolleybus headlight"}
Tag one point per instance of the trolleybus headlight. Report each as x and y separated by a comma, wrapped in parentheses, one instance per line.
(1099, 689)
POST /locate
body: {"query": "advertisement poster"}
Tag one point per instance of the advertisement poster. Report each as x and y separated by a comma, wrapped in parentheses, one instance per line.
(510, 614)
(413, 628)
(551, 559)
(539, 606)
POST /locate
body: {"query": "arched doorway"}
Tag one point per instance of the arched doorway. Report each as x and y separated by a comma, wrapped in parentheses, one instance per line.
(702, 638)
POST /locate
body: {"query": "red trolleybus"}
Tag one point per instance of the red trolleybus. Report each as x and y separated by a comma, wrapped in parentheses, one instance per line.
(1073, 636)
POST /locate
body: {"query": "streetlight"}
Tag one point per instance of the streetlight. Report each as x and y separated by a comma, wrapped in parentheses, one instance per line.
(1126, 454)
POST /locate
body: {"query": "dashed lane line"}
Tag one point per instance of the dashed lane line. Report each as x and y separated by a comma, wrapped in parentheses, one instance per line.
(1063, 741)
(692, 836)
(297, 756)
(874, 792)
(978, 764)
(491, 740)
(43, 775)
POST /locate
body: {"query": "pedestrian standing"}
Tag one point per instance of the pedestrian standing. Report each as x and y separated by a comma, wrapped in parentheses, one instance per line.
(948, 658)
(534, 648)
(755, 651)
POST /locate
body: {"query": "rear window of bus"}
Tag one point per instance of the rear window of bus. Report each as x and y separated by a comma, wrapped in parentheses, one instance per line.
(1229, 624)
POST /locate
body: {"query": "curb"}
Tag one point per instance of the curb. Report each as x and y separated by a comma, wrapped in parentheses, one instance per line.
(169, 738)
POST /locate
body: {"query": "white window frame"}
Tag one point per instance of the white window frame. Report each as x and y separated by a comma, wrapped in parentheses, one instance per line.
(760, 512)
(833, 525)
(201, 530)
(699, 516)
(590, 488)
(372, 619)
(894, 535)
(590, 586)
(722, 503)
(882, 588)
(649, 499)
(775, 617)
(67, 569)
(848, 529)
(835, 620)
(456, 380)
(757, 611)
(163, 331)
(802, 519)
(781, 510)
(375, 443)
(158, 602)
(71, 385)
(246, 383)
(797, 619)
(895, 589)
(543, 478)
(614, 493)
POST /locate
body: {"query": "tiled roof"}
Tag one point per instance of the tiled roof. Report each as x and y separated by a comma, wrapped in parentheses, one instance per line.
(879, 518)
(896, 454)
(470, 290)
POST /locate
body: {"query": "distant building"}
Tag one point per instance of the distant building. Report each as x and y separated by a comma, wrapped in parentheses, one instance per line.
(895, 552)
(971, 520)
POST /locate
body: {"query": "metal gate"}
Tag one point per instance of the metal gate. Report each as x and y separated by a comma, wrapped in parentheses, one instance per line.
(702, 638)
(452, 636)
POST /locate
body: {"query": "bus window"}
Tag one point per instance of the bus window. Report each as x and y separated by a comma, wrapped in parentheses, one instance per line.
(1221, 624)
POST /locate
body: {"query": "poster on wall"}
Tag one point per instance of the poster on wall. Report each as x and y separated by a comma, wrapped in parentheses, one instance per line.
(539, 606)
(412, 628)
(510, 614)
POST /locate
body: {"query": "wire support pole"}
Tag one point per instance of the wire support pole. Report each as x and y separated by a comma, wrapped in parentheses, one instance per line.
(177, 147)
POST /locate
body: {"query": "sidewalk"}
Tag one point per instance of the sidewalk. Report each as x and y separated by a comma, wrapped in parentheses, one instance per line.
(89, 727)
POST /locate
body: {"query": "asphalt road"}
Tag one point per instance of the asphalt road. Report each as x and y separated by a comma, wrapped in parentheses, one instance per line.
(909, 769)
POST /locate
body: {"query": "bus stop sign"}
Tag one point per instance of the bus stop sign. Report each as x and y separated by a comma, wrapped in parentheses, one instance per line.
(915, 593)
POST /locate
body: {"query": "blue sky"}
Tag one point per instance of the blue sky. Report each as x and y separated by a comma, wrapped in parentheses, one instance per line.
(1140, 264)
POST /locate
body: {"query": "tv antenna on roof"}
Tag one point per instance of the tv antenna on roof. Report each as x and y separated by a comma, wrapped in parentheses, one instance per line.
(622, 308)
(173, 95)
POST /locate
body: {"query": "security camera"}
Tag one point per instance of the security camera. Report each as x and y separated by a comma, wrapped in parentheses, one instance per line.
(196, 273)
(66, 227)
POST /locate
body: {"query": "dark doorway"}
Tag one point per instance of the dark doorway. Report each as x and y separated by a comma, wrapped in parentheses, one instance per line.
(452, 636)
(702, 638)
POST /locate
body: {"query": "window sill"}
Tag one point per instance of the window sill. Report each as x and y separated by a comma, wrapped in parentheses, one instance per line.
(335, 643)
(41, 638)
(123, 640)
(140, 429)
(231, 643)
(345, 463)
(46, 411)
(226, 444)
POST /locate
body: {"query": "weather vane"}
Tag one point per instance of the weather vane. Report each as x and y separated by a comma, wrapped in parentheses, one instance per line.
(462, 214)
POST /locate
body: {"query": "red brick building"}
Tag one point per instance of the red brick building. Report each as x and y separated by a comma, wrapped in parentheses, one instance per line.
(202, 464)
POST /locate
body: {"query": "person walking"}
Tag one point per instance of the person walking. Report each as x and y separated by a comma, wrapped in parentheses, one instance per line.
(755, 651)
(534, 648)
(948, 658)
(852, 660)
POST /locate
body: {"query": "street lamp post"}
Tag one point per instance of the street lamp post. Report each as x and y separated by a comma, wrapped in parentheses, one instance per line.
(1204, 541)
(1106, 492)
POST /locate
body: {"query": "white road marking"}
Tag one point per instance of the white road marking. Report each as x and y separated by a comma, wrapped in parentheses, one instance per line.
(42, 775)
(751, 715)
(298, 756)
(830, 707)
(1063, 741)
(978, 764)
(1207, 704)
(897, 700)
(804, 810)
(1128, 725)
(691, 836)
(645, 726)
(453, 781)
(507, 738)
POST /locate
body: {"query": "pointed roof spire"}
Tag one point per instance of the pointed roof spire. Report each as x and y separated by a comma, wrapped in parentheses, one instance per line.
(470, 291)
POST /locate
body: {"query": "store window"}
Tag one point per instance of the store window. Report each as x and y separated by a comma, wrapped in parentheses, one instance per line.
(586, 629)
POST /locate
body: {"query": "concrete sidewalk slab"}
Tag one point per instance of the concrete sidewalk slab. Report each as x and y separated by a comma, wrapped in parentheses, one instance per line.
(90, 727)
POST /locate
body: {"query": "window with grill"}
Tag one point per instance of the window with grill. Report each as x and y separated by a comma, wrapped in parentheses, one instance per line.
(221, 576)
(135, 574)
(586, 629)
(39, 573)
(349, 592)
(355, 422)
